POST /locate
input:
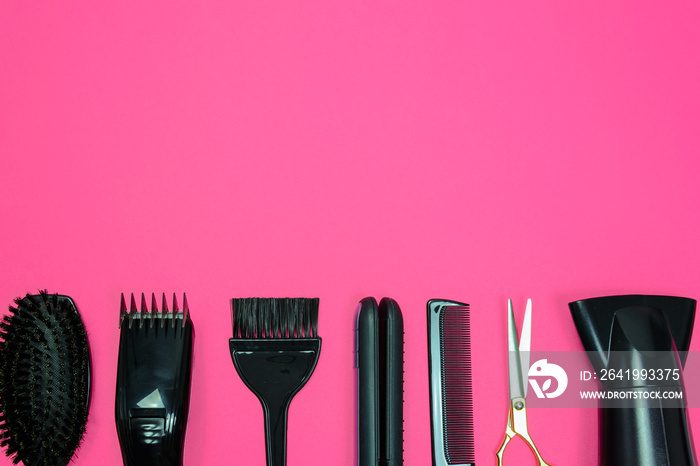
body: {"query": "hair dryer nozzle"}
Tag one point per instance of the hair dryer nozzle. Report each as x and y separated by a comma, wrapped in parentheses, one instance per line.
(639, 333)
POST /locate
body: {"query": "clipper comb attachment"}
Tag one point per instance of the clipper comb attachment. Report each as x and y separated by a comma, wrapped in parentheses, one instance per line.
(154, 315)
(153, 381)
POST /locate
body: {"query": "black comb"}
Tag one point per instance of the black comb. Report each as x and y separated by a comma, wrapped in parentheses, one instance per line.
(451, 407)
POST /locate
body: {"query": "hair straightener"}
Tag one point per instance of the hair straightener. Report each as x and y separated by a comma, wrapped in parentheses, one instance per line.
(379, 361)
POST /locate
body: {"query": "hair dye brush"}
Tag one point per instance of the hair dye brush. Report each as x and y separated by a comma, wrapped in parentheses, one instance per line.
(44, 380)
(275, 348)
(643, 335)
(153, 382)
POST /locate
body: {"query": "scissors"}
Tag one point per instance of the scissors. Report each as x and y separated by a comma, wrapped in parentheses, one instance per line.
(518, 365)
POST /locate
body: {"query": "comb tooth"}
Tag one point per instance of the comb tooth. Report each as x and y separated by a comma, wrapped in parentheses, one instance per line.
(154, 311)
(144, 310)
(132, 310)
(164, 311)
(122, 311)
(185, 309)
(176, 309)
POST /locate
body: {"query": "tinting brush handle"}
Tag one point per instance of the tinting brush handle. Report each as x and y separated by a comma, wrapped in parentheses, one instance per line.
(275, 370)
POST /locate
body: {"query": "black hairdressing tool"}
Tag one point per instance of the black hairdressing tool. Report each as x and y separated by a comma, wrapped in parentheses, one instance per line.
(639, 333)
(153, 382)
(380, 382)
(451, 409)
(275, 348)
(44, 380)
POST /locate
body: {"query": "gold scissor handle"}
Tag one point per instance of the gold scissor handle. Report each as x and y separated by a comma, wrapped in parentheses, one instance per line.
(517, 425)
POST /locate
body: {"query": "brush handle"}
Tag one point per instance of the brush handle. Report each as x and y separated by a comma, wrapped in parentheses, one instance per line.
(276, 408)
(275, 369)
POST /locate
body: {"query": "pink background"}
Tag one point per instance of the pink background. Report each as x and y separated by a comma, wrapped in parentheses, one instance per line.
(477, 150)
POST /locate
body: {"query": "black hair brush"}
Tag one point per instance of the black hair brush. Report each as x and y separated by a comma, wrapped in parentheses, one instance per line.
(44, 380)
(275, 348)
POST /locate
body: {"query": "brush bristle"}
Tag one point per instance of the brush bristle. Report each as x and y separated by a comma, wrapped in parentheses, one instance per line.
(44, 380)
(275, 317)
(458, 418)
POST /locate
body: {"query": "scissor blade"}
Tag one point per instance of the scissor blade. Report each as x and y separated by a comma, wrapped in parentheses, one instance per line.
(515, 373)
(524, 347)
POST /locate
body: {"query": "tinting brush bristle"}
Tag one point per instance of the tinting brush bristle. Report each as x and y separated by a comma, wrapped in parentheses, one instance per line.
(44, 380)
(275, 317)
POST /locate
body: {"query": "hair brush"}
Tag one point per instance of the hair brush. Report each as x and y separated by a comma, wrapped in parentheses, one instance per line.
(44, 380)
